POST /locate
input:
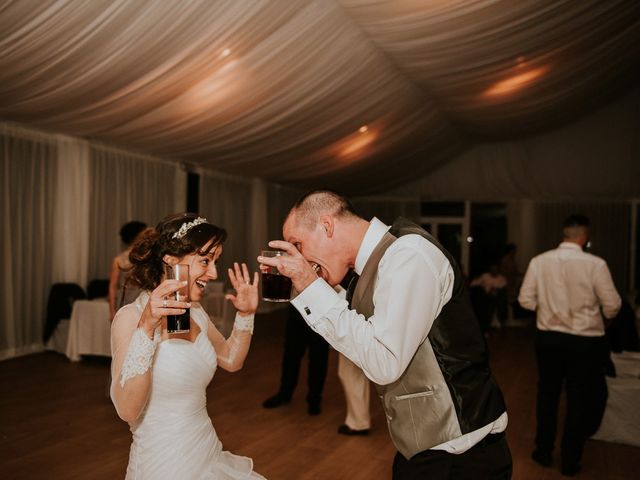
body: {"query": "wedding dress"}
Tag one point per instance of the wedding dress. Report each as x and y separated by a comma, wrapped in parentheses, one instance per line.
(174, 438)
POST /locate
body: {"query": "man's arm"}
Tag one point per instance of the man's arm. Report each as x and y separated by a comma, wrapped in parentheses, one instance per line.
(408, 297)
(528, 296)
(606, 291)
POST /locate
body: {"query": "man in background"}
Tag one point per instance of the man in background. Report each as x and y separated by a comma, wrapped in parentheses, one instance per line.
(566, 287)
(298, 338)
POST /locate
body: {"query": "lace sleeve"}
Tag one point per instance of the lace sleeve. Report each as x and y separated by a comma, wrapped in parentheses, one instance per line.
(132, 355)
(232, 351)
(139, 356)
(243, 324)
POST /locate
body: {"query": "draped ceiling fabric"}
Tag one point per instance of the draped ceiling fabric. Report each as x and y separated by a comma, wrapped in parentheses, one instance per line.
(357, 95)
(594, 158)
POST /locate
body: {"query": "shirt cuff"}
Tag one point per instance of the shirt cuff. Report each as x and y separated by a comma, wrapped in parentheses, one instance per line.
(315, 300)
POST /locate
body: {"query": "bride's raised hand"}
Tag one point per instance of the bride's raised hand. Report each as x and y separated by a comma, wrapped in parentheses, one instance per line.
(246, 298)
(160, 304)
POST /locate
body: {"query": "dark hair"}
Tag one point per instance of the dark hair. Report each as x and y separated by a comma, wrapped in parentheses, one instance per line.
(130, 231)
(576, 220)
(153, 244)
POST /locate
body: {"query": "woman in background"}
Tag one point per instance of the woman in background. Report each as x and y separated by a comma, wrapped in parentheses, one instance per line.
(160, 379)
(120, 292)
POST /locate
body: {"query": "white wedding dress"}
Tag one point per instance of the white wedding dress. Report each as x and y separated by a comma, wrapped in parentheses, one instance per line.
(174, 437)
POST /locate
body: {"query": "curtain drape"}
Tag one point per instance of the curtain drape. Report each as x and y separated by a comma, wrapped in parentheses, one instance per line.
(226, 201)
(71, 226)
(280, 200)
(125, 187)
(63, 201)
(596, 157)
(28, 164)
(609, 232)
(387, 209)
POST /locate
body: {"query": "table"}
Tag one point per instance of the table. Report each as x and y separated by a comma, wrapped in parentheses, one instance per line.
(621, 421)
(89, 329)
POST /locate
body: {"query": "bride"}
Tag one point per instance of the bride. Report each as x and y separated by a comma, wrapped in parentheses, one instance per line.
(160, 379)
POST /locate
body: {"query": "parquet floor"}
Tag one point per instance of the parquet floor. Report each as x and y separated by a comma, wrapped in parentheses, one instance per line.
(56, 422)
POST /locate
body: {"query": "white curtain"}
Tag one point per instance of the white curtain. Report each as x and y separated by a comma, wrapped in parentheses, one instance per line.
(63, 201)
(125, 187)
(71, 215)
(28, 164)
(227, 202)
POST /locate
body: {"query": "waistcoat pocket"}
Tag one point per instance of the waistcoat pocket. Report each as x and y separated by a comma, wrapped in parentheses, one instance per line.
(426, 393)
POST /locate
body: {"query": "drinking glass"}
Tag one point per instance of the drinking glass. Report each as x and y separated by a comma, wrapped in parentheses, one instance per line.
(179, 323)
(275, 286)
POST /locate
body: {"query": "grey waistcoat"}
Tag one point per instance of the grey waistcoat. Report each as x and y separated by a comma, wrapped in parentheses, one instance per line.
(447, 389)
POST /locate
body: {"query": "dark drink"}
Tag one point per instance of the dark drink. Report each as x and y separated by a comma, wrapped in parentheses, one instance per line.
(178, 323)
(275, 287)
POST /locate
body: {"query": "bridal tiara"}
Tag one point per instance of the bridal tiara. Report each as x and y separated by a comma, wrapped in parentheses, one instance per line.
(186, 226)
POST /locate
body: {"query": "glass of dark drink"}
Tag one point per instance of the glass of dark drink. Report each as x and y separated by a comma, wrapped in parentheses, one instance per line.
(179, 323)
(275, 286)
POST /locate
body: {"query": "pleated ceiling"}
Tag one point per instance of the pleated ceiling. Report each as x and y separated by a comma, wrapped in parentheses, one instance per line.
(357, 95)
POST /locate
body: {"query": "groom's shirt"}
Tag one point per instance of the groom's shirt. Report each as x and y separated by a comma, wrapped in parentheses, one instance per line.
(415, 280)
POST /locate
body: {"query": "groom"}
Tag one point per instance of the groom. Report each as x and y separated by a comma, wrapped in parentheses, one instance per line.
(410, 327)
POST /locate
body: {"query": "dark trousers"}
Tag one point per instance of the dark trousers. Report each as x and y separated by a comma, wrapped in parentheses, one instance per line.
(578, 362)
(488, 460)
(298, 337)
(484, 306)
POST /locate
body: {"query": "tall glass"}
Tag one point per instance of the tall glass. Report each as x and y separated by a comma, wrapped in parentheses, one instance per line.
(179, 323)
(275, 286)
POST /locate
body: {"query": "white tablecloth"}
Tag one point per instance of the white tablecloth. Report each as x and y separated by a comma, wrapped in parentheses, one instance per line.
(621, 421)
(627, 364)
(89, 329)
(58, 340)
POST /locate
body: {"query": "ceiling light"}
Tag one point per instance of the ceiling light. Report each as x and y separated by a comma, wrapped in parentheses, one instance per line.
(515, 82)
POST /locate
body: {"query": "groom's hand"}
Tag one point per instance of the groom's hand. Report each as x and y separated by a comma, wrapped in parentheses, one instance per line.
(292, 265)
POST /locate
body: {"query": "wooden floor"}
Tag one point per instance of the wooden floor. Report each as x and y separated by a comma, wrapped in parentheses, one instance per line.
(56, 422)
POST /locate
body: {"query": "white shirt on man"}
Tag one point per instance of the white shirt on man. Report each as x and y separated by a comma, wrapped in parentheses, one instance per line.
(384, 344)
(567, 287)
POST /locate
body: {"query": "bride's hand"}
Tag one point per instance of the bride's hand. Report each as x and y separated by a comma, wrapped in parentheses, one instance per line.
(246, 298)
(159, 305)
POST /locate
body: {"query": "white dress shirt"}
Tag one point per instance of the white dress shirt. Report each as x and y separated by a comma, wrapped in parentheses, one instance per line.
(384, 344)
(567, 287)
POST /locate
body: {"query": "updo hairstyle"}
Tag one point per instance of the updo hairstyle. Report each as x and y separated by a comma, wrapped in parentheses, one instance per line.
(152, 244)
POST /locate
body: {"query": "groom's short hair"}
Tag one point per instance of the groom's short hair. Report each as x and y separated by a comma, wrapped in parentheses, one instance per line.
(316, 202)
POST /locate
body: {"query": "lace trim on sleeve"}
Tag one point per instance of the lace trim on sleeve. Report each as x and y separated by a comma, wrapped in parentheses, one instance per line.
(139, 356)
(243, 324)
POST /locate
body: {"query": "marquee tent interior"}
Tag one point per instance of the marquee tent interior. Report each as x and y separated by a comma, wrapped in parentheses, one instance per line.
(106, 105)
